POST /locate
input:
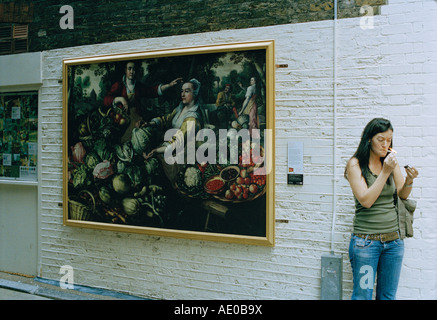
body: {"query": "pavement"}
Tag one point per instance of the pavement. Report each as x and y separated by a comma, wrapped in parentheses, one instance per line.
(20, 287)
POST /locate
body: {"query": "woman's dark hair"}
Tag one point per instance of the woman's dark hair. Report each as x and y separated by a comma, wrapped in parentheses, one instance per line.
(362, 154)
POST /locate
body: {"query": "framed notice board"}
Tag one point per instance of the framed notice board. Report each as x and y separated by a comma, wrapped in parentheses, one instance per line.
(19, 135)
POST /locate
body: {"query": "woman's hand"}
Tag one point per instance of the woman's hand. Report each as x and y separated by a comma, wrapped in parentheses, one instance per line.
(367, 195)
(149, 155)
(142, 124)
(175, 82)
(390, 163)
(159, 150)
(412, 174)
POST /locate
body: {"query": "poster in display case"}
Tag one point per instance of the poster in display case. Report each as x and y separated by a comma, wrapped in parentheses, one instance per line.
(174, 142)
(19, 136)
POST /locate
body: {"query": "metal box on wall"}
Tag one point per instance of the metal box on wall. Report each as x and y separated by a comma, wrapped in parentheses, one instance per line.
(331, 277)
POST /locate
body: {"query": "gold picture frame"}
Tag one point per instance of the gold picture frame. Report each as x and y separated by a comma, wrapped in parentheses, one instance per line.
(115, 127)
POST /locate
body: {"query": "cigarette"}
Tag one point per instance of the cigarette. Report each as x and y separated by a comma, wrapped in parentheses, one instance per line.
(392, 150)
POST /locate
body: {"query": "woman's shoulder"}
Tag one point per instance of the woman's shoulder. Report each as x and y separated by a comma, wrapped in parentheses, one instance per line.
(353, 165)
(353, 162)
(352, 168)
(251, 90)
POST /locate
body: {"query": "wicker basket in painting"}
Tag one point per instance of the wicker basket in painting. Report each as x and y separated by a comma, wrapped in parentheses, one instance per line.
(78, 210)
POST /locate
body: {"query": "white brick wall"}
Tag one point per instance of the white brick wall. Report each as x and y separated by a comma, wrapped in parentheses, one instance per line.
(389, 71)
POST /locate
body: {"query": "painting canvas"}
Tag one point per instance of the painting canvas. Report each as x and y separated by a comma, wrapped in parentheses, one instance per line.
(175, 142)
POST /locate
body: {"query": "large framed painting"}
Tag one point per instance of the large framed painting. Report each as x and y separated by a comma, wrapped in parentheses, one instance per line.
(176, 142)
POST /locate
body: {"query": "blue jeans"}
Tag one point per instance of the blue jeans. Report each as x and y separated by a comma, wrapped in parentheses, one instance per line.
(370, 258)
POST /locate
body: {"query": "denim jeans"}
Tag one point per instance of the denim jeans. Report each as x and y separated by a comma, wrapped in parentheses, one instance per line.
(370, 258)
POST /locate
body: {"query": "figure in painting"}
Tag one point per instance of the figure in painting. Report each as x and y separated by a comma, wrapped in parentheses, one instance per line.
(127, 94)
(225, 105)
(188, 111)
(249, 105)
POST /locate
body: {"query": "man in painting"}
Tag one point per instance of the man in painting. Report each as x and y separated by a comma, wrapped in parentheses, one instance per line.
(225, 104)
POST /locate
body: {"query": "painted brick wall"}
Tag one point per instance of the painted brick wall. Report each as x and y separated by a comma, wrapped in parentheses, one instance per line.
(111, 20)
(390, 71)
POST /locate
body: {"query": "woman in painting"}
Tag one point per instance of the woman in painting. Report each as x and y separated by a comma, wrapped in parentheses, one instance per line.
(249, 105)
(187, 113)
(127, 94)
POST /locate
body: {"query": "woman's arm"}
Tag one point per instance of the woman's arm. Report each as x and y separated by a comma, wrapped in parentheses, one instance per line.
(250, 92)
(404, 186)
(170, 84)
(178, 139)
(364, 194)
(245, 103)
(164, 121)
(189, 123)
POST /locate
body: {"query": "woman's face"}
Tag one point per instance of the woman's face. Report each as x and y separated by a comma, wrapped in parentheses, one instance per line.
(130, 71)
(187, 94)
(252, 81)
(381, 142)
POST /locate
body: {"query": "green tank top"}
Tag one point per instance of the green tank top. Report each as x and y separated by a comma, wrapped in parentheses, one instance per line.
(381, 217)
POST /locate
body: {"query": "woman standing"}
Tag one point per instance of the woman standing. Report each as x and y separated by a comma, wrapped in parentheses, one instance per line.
(249, 105)
(375, 246)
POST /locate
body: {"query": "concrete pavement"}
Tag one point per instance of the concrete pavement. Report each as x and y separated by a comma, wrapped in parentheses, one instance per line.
(17, 287)
(9, 294)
